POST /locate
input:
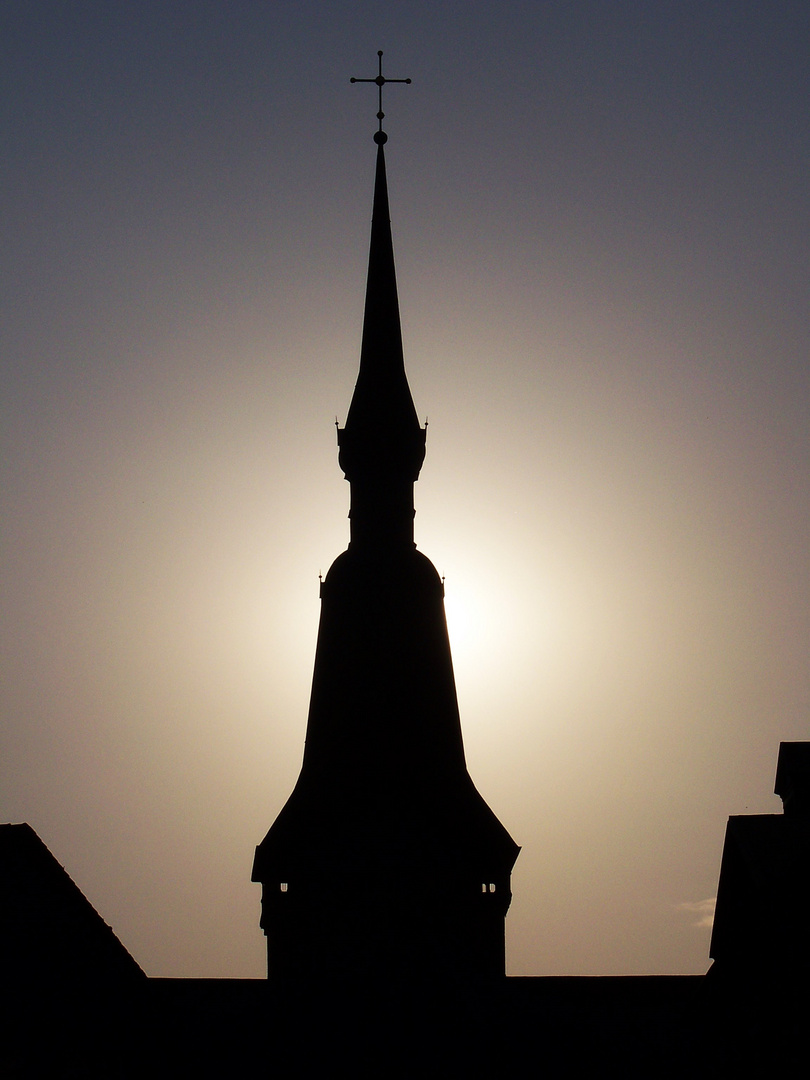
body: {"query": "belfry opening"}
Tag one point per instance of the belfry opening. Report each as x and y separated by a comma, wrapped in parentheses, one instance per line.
(385, 859)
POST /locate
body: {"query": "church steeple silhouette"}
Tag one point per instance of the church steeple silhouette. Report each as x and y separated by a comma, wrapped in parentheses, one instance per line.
(385, 860)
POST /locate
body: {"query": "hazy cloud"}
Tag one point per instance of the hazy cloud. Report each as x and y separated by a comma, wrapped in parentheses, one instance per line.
(703, 909)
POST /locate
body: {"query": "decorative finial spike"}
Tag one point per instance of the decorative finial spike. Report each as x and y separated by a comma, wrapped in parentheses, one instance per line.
(380, 80)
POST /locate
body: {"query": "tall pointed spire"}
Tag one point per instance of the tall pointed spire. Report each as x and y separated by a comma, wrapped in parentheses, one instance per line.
(385, 859)
(382, 335)
(382, 445)
(381, 396)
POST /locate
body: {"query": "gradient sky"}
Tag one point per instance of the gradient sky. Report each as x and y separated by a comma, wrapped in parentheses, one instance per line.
(600, 215)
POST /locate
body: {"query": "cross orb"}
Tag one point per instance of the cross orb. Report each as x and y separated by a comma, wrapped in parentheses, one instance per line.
(380, 81)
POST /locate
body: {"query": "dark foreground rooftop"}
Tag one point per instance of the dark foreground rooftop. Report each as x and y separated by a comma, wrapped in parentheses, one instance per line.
(650, 1026)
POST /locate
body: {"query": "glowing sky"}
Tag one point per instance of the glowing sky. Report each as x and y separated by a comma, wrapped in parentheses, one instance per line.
(600, 215)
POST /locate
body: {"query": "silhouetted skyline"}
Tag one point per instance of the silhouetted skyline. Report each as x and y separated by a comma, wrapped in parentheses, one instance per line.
(599, 221)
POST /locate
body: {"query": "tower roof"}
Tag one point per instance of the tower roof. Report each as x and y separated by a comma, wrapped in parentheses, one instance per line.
(382, 397)
(382, 437)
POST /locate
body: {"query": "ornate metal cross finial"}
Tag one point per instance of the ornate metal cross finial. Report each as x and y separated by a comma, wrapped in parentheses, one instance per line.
(379, 135)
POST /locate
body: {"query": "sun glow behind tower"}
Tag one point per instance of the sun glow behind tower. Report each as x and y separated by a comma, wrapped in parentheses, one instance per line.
(601, 266)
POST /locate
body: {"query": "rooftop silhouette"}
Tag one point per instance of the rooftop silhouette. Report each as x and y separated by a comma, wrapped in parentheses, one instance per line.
(79, 950)
(761, 929)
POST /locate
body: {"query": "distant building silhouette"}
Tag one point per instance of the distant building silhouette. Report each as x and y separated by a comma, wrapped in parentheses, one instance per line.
(762, 920)
(73, 998)
(51, 936)
(385, 860)
(756, 990)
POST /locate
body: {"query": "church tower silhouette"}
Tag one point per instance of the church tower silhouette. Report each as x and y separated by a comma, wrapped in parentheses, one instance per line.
(385, 860)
